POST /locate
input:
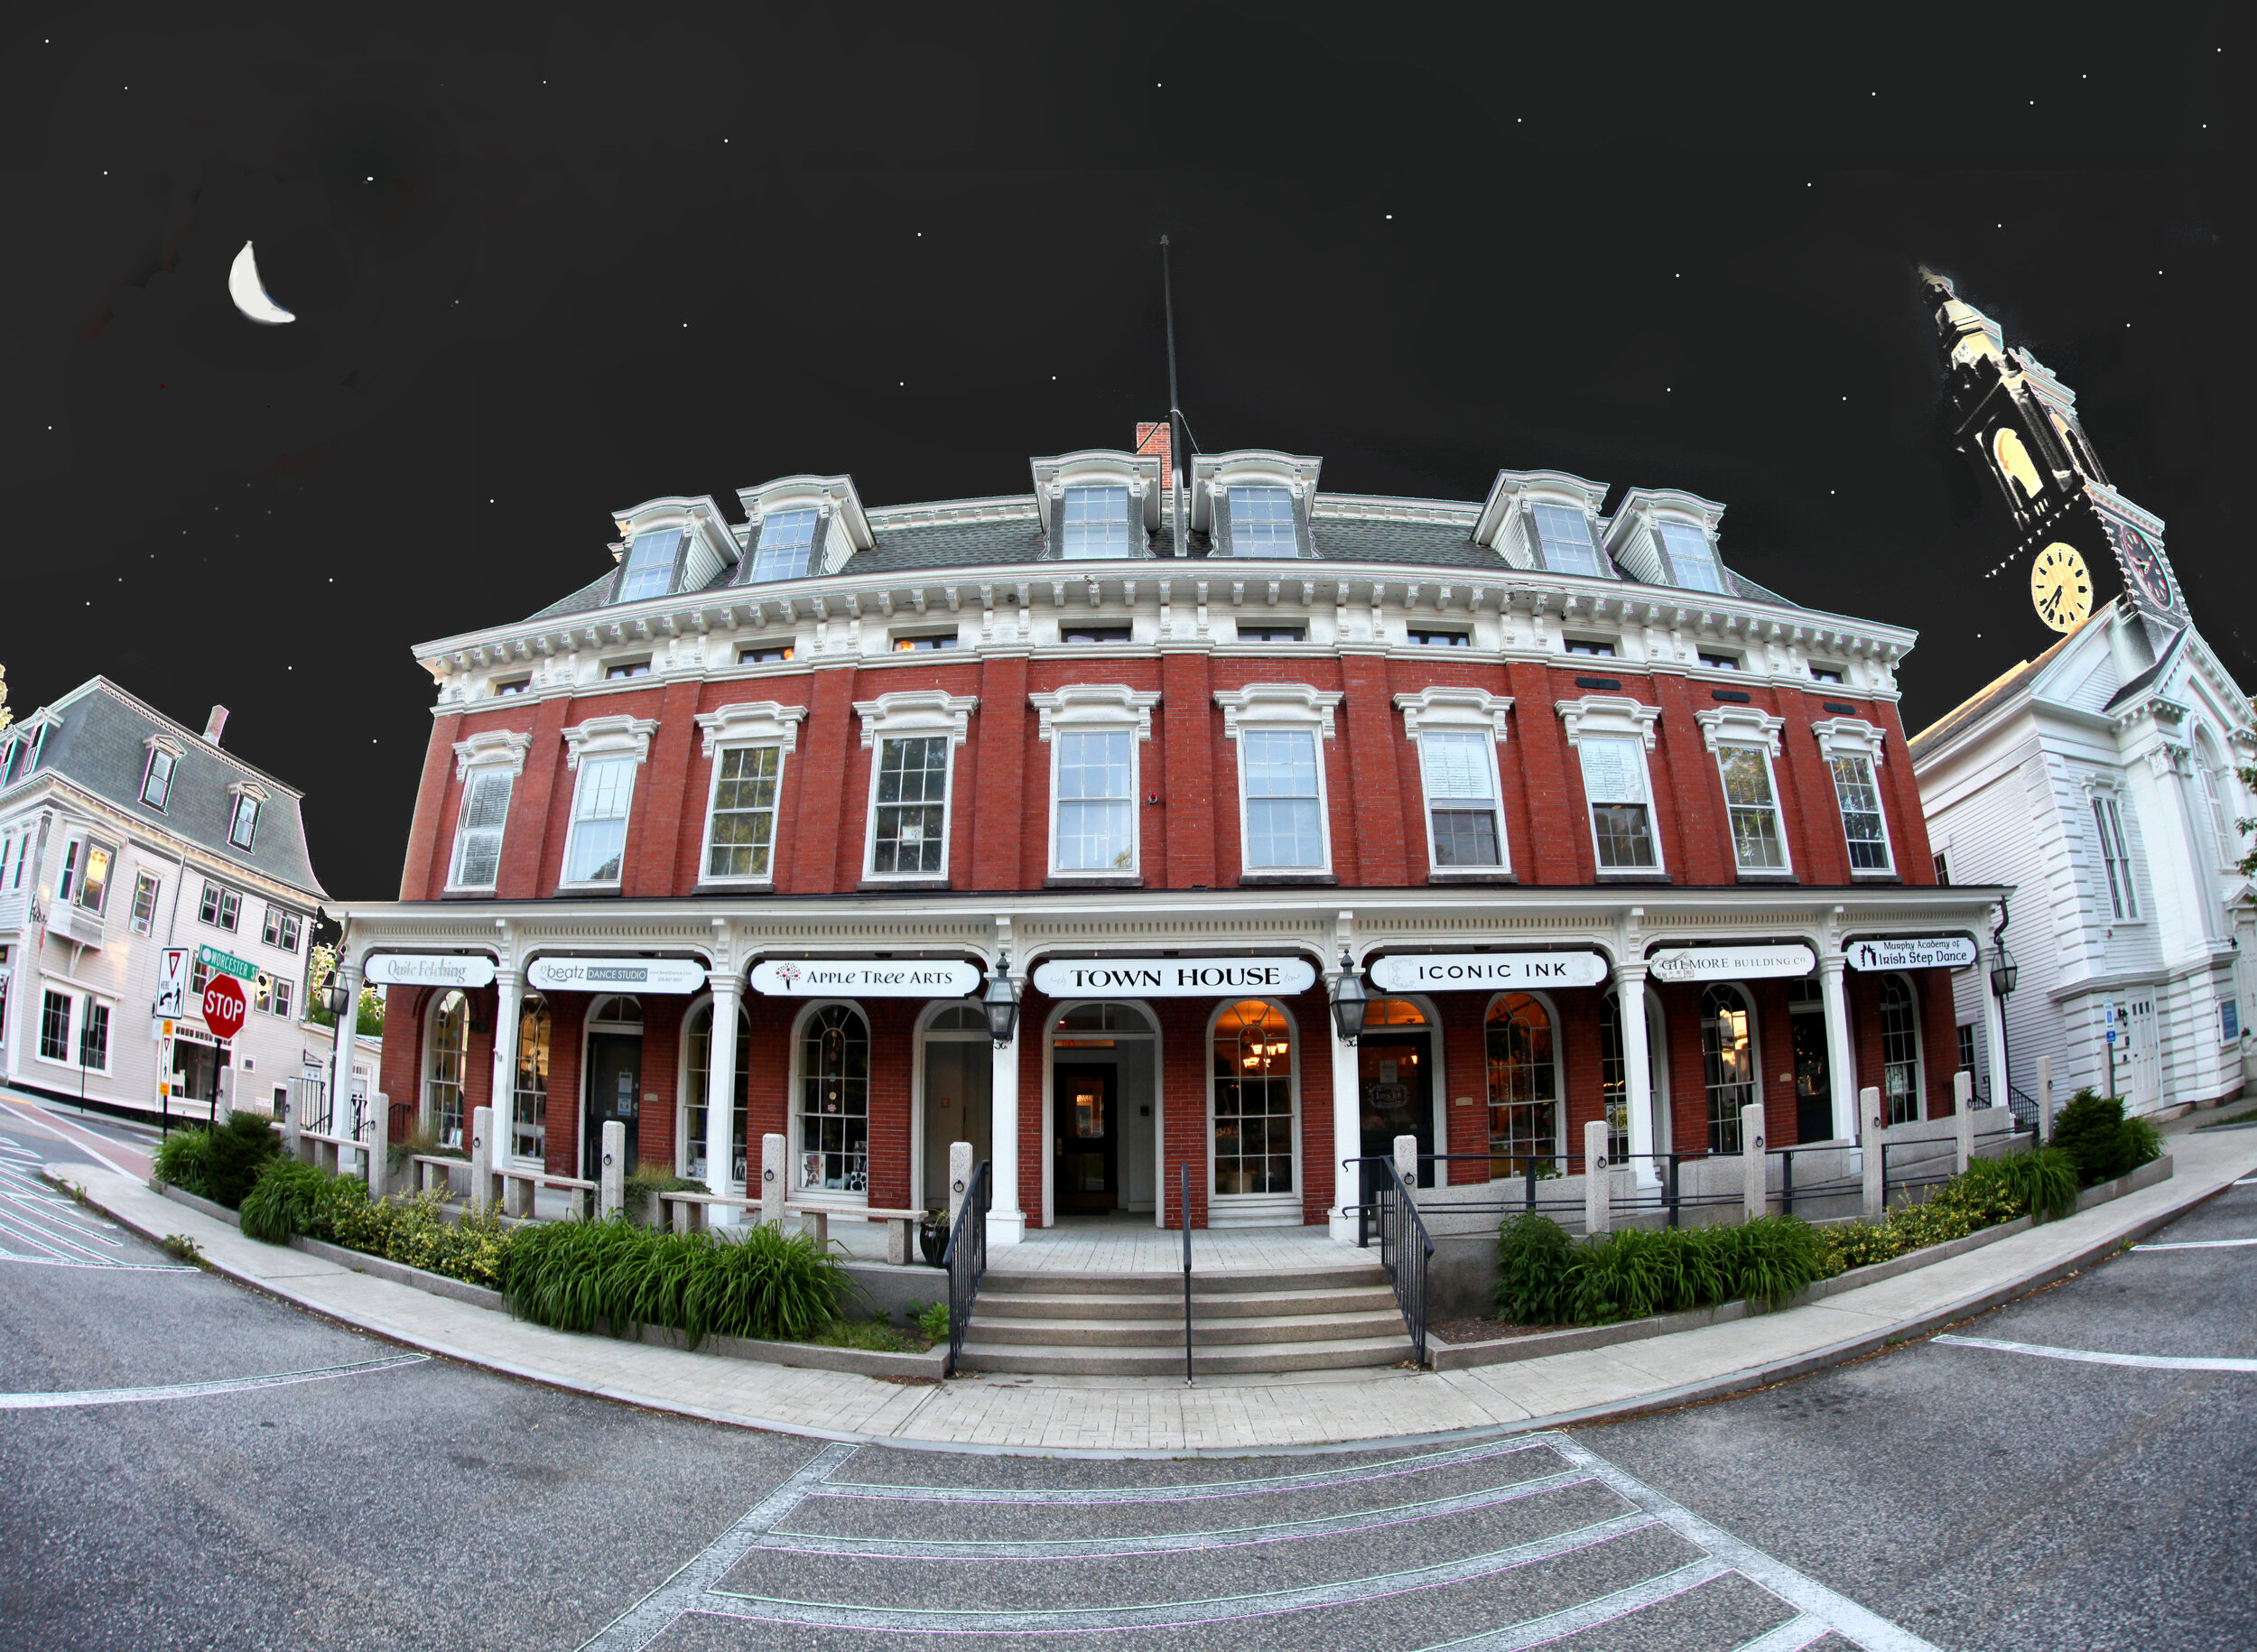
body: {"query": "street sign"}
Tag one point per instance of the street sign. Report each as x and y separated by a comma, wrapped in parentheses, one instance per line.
(224, 1006)
(226, 963)
(173, 983)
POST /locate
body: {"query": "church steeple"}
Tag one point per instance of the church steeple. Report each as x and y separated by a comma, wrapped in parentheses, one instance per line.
(2080, 541)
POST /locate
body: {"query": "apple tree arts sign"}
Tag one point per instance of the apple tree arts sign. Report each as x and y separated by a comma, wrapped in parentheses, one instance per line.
(1922, 952)
(1173, 978)
(865, 977)
(1729, 963)
(1446, 971)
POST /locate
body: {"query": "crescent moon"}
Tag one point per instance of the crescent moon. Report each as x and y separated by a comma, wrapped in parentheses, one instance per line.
(250, 297)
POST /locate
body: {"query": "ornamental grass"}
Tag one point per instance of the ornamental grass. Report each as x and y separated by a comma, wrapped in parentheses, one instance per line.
(615, 1276)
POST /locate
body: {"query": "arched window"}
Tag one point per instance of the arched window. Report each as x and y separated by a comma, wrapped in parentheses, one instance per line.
(446, 1056)
(1523, 1084)
(529, 1102)
(1253, 1099)
(2014, 460)
(834, 1100)
(1728, 1057)
(698, 1055)
(1899, 1049)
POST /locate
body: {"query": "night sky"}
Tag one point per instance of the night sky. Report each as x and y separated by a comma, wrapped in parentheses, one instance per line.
(545, 273)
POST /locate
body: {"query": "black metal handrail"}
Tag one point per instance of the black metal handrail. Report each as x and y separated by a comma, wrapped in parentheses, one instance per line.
(2024, 1107)
(1405, 1249)
(966, 1257)
(1183, 1206)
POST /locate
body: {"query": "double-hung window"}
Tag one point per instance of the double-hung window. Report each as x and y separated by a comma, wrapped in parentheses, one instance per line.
(243, 823)
(1745, 740)
(156, 780)
(1457, 732)
(478, 833)
(2115, 857)
(606, 751)
(1692, 564)
(1853, 749)
(146, 887)
(1095, 523)
(650, 564)
(282, 929)
(1280, 727)
(1564, 534)
(1096, 830)
(787, 543)
(222, 908)
(1612, 736)
(740, 828)
(912, 735)
(86, 874)
(1261, 523)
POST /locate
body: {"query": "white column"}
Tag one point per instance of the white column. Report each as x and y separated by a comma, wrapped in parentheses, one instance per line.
(1007, 1223)
(722, 1082)
(509, 1000)
(1841, 1057)
(1347, 1135)
(341, 1058)
(1994, 1039)
(1637, 1068)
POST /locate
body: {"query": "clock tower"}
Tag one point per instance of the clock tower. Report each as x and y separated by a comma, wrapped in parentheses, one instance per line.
(2079, 542)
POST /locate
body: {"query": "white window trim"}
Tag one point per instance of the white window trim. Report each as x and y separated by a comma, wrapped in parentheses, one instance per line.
(1746, 725)
(1617, 717)
(1854, 737)
(1290, 706)
(79, 999)
(1707, 536)
(171, 748)
(238, 792)
(1255, 1205)
(604, 737)
(70, 881)
(156, 893)
(486, 750)
(834, 1198)
(1097, 708)
(1559, 1064)
(1533, 536)
(1919, 1047)
(745, 724)
(906, 715)
(427, 1110)
(1460, 710)
(2098, 787)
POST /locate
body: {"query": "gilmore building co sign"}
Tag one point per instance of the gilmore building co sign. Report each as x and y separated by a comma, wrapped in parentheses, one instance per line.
(1923, 952)
(1173, 978)
(865, 977)
(429, 970)
(1729, 963)
(614, 975)
(1441, 971)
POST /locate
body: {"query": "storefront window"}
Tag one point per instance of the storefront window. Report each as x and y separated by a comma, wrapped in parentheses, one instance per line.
(442, 1089)
(1523, 1087)
(1253, 1099)
(1899, 1049)
(529, 1109)
(1615, 1080)
(700, 1040)
(1728, 1053)
(834, 1101)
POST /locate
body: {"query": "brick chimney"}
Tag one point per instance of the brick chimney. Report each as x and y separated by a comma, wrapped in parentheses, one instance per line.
(215, 723)
(1153, 439)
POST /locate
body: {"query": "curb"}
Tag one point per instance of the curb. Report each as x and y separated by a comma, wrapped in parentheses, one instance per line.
(1745, 1380)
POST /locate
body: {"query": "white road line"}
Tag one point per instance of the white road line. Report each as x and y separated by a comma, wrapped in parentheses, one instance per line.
(2146, 1363)
(114, 1267)
(1575, 1619)
(57, 1128)
(2247, 1181)
(191, 1390)
(2198, 1245)
(1790, 1636)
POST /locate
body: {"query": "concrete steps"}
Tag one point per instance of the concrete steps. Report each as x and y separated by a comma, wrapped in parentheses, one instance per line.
(1132, 1324)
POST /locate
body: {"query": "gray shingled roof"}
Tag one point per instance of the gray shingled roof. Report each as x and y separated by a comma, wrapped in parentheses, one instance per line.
(100, 745)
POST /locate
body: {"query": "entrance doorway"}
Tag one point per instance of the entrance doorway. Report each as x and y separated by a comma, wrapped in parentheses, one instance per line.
(1087, 1173)
(1814, 1084)
(1394, 1082)
(959, 1076)
(612, 1087)
(1102, 1112)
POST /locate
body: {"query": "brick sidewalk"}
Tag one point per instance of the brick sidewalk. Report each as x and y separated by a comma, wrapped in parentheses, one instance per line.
(1161, 1416)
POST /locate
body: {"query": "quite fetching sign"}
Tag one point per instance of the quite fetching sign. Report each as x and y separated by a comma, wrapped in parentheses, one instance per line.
(1448, 971)
(1173, 977)
(1923, 952)
(429, 970)
(865, 977)
(614, 975)
(1730, 964)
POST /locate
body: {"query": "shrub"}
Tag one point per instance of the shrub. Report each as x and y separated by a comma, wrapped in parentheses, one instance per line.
(763, 1283)
(930, 1319)
(1989, 1192)
(234, 1152)
(181, 1160)
(414, 1229)
(1544, 1278)
(289, 1199)
(2041, 1180)
(2100, 1141)
(645, 1182)
(1532, 1264)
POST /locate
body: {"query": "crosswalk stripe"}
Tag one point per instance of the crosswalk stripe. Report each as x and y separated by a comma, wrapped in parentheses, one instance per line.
(2149, 1362)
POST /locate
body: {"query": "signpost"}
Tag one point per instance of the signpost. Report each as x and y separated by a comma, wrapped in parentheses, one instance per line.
(173, 983)
(226, 963)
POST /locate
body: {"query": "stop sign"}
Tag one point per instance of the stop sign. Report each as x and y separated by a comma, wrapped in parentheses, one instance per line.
(224, 1007)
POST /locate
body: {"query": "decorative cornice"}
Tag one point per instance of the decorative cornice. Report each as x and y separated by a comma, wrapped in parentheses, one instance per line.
(1095, 705)
(607, 736)
(1455, 708)
(492, 748)
(914, 710)
(754, 720)
(1615, 715)
(1747, 723)
(1852, 734)
(1290, 703)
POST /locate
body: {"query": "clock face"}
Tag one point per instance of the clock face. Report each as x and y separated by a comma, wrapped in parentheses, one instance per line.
(2060, 587)
(2145, 563)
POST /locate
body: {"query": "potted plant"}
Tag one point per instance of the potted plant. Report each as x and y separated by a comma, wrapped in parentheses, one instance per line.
(932, 1236)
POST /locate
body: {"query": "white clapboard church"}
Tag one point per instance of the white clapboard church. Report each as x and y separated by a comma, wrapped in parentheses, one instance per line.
(2099, 779)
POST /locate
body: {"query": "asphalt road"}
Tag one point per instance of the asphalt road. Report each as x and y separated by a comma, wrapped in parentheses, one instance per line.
(1941, 1494)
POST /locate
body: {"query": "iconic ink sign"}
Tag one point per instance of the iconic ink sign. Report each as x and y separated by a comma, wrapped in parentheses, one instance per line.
(1730, 964)
(1173, 977)
(614, 975)
(1925, 952)
(1444, 972)
(865, 977)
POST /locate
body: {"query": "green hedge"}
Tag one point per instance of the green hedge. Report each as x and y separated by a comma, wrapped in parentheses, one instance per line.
(220, 1164)
(414, 1230)
(1989, 1192)
(765, 1283)
(2102, 1142)
(289, 1199)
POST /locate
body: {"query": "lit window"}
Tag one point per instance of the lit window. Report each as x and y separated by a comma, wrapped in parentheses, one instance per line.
(834, 1101)
(765, 654)
(1096, 802)
(86, 874)
(1900, 1050)
(2014, 461)
(1721, 662)
(1285, 824)
(1691, 562)
(922, 644)
(1861, 824)
(1728, 1057)
(1621, 820)
(1459, 774)
(699, 1037)
(909, 827)
(222, 908)
(740, 832)
(529, 1100)
(1096, 523)
(2123, 896)
(787, 543)
(1523, 1086)
(243, 828)
(478, 833)
(600, 810)
(144, 912)
(1563, 535)
(619, 670)
(1756, 844)
(1427, 638)
(650, 565)
(1261, 521)
(1273, 633)
(1596, 650)
(1253, 1099)
(447, 1067)
(156, 783)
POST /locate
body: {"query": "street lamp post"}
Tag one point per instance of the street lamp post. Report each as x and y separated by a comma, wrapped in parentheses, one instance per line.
(1349, 999)
(1001, 1001)
(2003, 972)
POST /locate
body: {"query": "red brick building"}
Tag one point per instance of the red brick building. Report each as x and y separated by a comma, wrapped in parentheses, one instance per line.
(835, 772)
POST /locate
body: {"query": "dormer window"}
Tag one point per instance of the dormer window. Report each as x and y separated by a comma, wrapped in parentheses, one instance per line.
(1692, 564)
(156, 781)
(1095, 524)
(650, 564)
(787, 540)
(1563, 535)
(243, 823)
(1261, 523)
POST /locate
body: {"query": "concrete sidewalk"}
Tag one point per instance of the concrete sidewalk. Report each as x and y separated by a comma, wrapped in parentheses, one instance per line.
(1154, 1416)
